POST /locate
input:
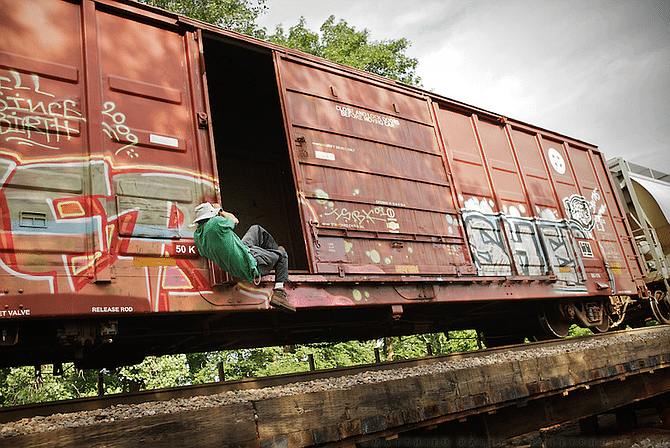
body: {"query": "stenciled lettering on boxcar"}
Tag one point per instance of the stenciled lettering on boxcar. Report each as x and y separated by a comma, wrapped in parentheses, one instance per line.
(357, 114)
(39, 122)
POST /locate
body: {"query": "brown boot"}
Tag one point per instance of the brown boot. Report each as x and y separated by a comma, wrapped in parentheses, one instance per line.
(278, 300)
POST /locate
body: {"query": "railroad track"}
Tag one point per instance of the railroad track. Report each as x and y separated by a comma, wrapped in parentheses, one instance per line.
(14, 413)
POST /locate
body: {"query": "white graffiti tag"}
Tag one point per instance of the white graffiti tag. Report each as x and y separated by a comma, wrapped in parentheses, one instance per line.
(358, 218)
(597, 216)
(583, 212)
(118, 131)
(35, 121)
(579, 211)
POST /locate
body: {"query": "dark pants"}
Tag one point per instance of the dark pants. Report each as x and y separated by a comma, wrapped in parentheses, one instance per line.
(265, 250)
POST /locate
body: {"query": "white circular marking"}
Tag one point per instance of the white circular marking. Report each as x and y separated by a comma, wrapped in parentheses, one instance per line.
(556, 160)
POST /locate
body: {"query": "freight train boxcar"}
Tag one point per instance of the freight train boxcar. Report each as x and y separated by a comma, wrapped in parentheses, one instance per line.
(646, 197)
(402, 211)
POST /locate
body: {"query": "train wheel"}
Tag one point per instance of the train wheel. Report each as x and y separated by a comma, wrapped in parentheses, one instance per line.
(602, 328)
(660, 306)
(605, 325)
(554, 325)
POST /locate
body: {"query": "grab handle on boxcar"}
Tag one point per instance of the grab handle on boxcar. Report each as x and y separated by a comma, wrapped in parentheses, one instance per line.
(315, 233)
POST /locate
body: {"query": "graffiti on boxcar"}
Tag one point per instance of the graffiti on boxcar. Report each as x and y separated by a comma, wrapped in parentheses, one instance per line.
(165, 263)
(483, 205)
(597, 216)
(559, 251)
(579, 211)
(516, 210)
(357, 218)
(18, 84)
(118, 131)
(31, 121)
(488, 246)
(583, 212)
(535, 245)
(547, 214)
(27, 119)
(525, 246)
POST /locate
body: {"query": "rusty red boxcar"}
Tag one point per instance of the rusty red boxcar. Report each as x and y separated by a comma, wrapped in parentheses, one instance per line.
(403, 211)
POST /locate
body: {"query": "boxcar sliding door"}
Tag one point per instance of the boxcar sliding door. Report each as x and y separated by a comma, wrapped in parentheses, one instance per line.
(374, 190)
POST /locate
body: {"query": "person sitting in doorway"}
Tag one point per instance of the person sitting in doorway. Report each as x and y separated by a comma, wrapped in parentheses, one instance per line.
(249, 258)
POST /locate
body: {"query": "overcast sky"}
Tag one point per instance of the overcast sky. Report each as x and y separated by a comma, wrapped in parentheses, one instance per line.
(598, 71)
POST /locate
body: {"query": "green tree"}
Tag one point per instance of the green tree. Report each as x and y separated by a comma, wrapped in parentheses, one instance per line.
(342, 43)
(236, 15)
(153, 373)
(416, 346)
(337, 41)
(24, 385)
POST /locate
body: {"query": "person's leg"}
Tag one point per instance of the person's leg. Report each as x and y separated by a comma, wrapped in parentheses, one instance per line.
(279, 295)
(281, 267)
(266, 260)
(258, 236)
(265, 250)
(268, 256)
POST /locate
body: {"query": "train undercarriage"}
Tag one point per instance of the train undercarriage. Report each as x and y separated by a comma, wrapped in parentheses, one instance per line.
(124, 340)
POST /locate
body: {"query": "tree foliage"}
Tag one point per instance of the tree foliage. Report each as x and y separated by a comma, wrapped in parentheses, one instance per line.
(23, 385)
(27, 385)
(339, 42)
(236, 15)
(336, 41)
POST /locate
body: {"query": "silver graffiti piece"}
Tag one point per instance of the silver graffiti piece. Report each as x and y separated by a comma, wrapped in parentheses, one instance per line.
(579, 211)
(487, 245)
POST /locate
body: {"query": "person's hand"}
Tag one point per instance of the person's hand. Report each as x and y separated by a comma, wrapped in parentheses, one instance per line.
(226, 214)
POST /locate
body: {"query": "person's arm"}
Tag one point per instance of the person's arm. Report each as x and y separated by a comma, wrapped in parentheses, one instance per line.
(226, 214)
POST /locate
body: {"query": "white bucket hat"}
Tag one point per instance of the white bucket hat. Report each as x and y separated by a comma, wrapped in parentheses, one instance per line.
(204, 211)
